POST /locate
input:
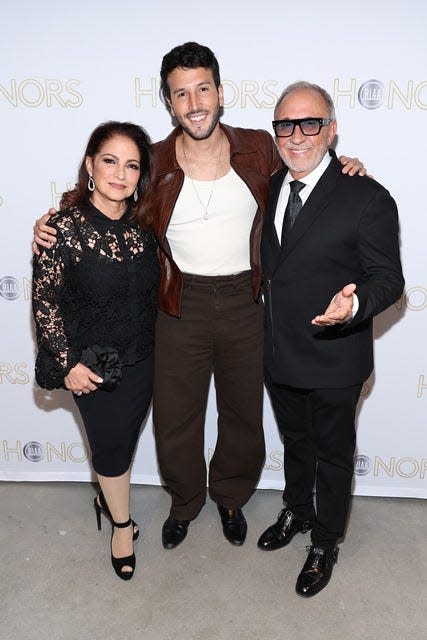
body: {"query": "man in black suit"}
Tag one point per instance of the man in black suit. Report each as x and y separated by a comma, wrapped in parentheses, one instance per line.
(324, 233)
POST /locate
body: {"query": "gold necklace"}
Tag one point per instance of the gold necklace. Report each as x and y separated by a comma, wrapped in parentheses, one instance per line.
(205, 207)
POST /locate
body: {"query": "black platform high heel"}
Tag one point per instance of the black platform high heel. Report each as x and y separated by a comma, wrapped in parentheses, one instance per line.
(128, 561)
(101, 506)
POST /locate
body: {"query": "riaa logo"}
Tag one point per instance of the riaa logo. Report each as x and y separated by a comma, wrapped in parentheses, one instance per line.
(362, 465)
(371, 94)
(9, 288)
(33, 451)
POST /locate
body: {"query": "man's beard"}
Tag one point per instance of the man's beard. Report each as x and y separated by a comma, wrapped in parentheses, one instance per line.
(205, 134)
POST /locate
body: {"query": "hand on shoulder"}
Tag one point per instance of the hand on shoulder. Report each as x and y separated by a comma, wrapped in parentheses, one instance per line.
(43, 234)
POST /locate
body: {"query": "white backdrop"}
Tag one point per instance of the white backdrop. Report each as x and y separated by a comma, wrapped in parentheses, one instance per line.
(65, 69)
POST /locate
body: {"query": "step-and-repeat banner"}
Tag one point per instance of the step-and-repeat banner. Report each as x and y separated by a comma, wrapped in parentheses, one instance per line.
(67, 67)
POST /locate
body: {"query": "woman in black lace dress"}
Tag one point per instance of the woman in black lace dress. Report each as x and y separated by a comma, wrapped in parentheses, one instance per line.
(94, 304)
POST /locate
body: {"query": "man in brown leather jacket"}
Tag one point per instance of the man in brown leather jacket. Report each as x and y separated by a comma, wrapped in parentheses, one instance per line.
(211, 185)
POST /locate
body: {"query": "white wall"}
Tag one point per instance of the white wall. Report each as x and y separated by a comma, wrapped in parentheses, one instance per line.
(65, 69)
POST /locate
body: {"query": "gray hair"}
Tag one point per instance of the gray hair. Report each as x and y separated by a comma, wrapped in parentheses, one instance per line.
(302, 84)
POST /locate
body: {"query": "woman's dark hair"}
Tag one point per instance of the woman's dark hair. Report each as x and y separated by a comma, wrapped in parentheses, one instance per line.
(140, 209)
(190, 55)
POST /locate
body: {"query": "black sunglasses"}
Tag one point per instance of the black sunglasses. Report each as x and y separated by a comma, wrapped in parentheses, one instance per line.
(308, 126)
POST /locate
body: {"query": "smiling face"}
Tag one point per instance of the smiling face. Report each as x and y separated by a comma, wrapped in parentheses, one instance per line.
(301, 153)
(115, 169)
(195, 101)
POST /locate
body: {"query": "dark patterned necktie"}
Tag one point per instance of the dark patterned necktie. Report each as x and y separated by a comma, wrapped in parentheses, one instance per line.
(292, 208)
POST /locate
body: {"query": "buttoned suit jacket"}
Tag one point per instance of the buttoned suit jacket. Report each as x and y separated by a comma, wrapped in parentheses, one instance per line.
(346, 232)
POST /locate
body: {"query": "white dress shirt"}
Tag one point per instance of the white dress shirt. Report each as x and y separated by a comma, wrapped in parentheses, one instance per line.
(310, 180)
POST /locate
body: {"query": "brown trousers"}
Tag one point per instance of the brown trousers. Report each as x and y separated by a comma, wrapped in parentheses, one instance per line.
(220, 332)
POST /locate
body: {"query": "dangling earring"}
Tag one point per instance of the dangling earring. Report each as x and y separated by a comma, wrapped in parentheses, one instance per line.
(91, 184)
(135, 195)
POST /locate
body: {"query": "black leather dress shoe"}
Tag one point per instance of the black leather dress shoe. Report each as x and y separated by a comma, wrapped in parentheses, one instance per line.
(174, 532)
(280, 533)
(316, 571)
(234, 525)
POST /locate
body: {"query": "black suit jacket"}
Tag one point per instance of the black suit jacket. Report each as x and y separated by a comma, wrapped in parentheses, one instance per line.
(347, 231)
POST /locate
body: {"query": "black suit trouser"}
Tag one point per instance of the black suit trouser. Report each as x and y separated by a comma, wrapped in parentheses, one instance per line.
(318, 429)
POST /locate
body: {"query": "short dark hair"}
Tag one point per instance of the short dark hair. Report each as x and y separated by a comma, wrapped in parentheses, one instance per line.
(189, 55)
(98, 137)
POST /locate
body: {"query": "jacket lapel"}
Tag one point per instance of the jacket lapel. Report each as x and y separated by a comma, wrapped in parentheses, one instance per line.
(313, 208)
(270, 233)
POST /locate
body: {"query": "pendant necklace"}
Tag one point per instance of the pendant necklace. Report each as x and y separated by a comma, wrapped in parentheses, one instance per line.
(205, 207)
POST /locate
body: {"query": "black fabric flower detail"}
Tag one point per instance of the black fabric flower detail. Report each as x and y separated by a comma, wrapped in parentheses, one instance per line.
(105, 362)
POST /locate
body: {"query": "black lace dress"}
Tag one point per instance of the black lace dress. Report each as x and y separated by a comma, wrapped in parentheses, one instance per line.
(98, 285)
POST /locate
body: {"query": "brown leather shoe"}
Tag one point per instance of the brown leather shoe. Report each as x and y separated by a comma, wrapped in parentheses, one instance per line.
(280, 533)
(234, 525)
(174, 532)
(316, 571)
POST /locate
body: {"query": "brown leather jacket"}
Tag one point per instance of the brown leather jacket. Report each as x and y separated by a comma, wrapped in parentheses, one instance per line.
(254, 157)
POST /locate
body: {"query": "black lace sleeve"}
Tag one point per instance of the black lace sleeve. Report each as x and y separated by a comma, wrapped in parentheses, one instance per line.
(55, 356)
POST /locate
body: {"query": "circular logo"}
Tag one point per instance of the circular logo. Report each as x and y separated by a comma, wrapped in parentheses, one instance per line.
(362, 465)
(9, 288)
(33, 451)
(371, 94)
